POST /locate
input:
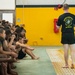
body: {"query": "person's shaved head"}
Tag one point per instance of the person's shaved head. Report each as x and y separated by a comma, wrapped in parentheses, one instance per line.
(65, 6)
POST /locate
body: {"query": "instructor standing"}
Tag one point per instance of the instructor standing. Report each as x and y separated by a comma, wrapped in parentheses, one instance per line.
(67, 21)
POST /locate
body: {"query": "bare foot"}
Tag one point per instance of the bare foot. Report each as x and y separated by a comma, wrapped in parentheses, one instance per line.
(18, 61)
(13, 73)
(66, 66)
(35, 58)
(72, 66)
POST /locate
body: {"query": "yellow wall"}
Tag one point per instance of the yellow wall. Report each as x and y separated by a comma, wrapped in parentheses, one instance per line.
(39, 24)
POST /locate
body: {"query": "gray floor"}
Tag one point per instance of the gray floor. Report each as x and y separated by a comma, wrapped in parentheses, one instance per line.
(43, 66)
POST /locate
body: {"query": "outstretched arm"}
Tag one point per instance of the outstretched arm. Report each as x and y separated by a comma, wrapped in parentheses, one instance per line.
(24, 45)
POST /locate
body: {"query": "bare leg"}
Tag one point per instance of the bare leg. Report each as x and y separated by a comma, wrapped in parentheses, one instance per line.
(4, 69)
(3, 64)
(72, 55)
(30, 54)
(66, 47)
(28, 47)
(10, 71)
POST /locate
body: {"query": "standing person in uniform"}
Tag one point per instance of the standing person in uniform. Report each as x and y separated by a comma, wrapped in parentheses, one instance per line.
(67, 21)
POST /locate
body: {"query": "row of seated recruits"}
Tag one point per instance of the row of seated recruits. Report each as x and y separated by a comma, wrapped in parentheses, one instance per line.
(13, 46)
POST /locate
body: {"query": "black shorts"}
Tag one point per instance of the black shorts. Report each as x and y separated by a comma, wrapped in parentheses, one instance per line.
(21, 54)
(68, 38)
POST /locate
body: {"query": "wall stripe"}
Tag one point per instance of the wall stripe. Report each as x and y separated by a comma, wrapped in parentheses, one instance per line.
(30, 6)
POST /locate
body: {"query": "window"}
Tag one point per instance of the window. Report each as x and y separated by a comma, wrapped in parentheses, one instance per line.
(7, 17)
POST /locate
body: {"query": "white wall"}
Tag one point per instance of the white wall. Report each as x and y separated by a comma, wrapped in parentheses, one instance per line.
(43, 2)
(7, 4)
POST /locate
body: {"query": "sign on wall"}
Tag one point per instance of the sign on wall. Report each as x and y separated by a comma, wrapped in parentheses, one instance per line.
(7, 4)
